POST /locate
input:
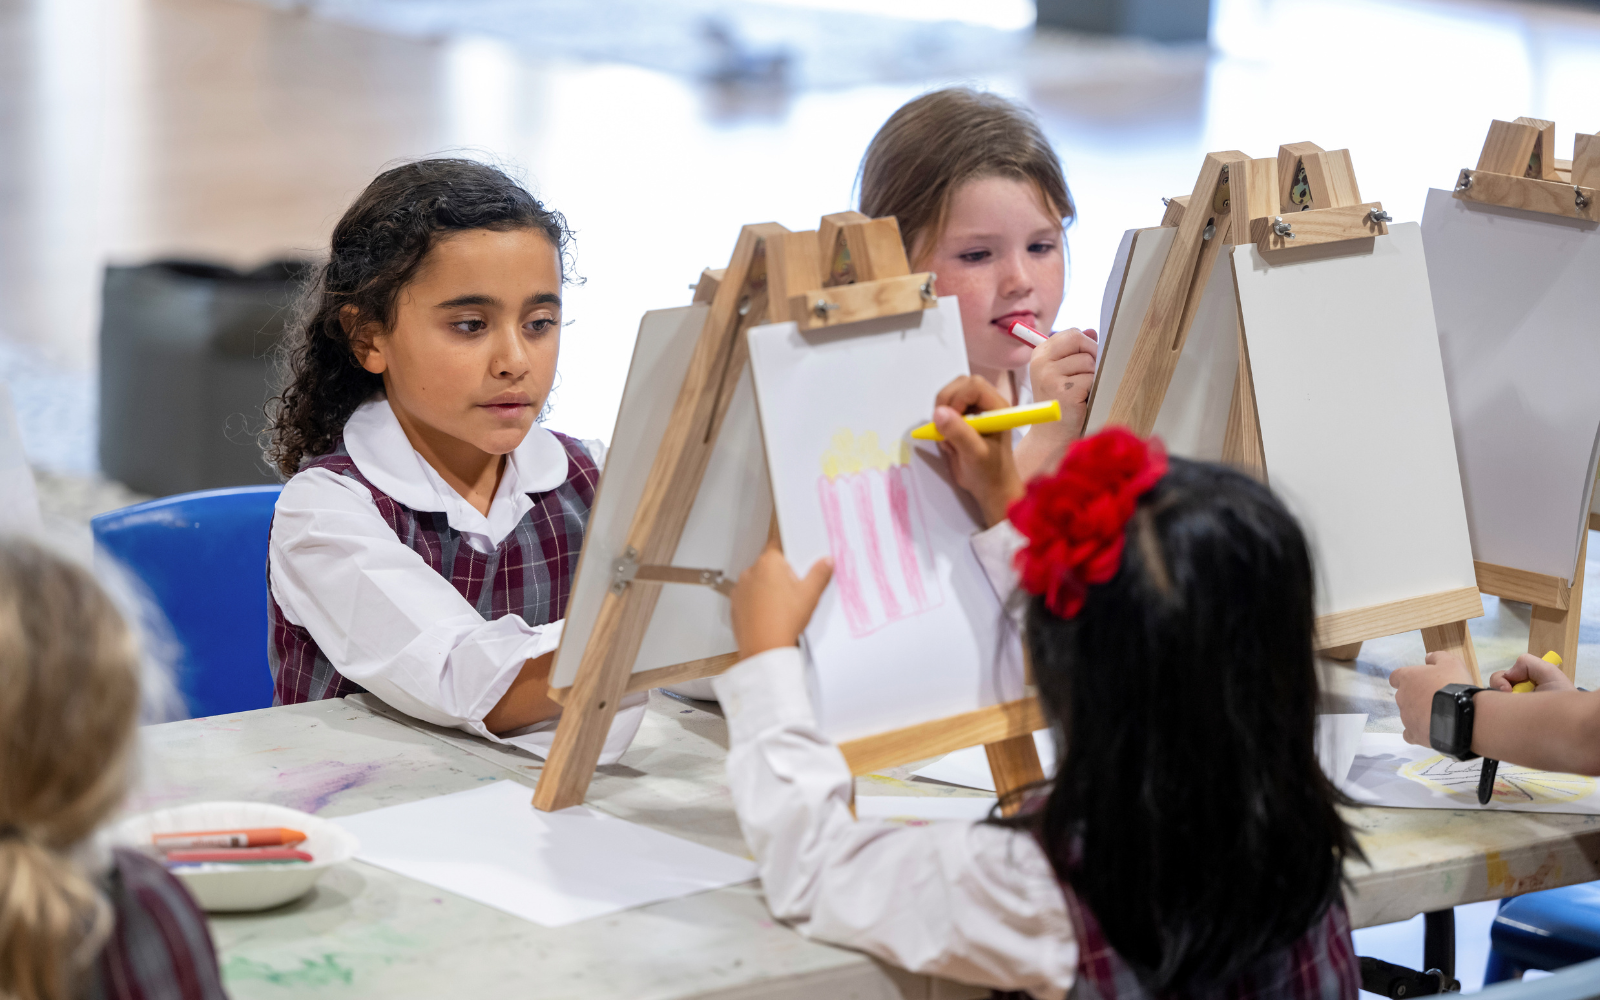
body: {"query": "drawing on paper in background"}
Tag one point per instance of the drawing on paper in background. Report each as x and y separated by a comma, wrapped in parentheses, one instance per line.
(882, 563)
(1513, 783)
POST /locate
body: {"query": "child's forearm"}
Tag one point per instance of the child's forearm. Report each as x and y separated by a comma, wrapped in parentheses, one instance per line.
(1552, 731)
(527, 700)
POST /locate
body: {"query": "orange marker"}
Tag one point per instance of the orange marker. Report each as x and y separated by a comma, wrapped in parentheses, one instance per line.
(265, 836)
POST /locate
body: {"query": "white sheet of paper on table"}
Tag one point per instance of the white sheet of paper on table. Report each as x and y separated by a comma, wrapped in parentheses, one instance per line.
(490, 845)
(1388, 771)
(969, 768)
(1518, 307)
(910, 629)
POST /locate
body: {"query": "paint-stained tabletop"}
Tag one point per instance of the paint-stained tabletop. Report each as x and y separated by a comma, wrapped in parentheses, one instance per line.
(364, 931)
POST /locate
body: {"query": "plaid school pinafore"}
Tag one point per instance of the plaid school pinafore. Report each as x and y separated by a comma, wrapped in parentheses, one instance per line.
(529, 573)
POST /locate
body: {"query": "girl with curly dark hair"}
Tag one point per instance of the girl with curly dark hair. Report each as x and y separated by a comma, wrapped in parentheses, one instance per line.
(425, 543)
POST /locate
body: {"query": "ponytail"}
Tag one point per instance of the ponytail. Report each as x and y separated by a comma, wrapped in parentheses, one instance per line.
(52, 920)
(69, 700)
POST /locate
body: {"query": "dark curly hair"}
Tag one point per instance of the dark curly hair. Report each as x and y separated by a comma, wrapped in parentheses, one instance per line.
(376, 249)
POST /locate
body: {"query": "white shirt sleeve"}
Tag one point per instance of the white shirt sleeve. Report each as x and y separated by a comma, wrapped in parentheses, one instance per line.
(970, 902)
(382, 616)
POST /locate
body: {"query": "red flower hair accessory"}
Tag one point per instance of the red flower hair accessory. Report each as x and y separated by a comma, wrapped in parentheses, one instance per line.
(1075, 521)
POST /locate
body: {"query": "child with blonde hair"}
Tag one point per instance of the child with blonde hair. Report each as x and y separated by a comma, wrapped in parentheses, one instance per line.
(76, 919)
(982, 202)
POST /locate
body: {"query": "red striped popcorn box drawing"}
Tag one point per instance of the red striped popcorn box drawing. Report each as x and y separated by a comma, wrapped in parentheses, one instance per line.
(882, 563)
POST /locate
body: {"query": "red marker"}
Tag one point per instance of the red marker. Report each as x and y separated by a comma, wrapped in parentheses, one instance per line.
(1027, 334)
(236, 855)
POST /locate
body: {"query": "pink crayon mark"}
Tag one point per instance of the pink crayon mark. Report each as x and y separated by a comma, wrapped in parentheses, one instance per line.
(844, 563)
(900, 513)
(862, 487)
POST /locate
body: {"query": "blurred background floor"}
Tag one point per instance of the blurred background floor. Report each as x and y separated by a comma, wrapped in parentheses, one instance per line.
(237, 131)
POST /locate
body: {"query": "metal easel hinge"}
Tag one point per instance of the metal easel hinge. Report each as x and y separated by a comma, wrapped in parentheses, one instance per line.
(626, 568)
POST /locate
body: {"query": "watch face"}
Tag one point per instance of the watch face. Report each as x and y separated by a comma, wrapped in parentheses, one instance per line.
(1442, 730)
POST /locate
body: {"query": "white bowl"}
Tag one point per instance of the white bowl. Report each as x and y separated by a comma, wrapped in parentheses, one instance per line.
(235, 888)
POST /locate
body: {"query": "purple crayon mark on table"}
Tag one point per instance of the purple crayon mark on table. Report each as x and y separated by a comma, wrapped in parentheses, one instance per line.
(311, 788)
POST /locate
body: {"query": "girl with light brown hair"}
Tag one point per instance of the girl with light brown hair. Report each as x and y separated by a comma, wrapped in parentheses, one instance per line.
(78, 919)
(982, 202)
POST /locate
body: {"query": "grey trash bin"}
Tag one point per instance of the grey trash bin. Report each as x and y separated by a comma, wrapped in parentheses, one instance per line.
(185, 371)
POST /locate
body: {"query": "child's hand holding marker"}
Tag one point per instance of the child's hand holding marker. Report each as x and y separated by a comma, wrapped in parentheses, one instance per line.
(1539, 673)
(982, 464)
(1062, 368)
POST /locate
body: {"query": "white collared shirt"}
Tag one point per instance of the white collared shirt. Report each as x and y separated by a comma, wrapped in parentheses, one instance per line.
(382, 615)
(967, 901)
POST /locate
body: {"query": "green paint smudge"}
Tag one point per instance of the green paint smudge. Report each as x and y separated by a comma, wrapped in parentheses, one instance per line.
(311, 972)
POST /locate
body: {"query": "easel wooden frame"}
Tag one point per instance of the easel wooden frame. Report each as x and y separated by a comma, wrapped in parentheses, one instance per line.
(1518, 169)
(1237, 200)
(850, 269)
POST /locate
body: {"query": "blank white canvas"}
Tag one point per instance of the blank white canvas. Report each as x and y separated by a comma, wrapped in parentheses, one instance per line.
(1517, 298)
(1194, 415)
(727, 526)
(1355, 422)
(910, 629)
(490, 845)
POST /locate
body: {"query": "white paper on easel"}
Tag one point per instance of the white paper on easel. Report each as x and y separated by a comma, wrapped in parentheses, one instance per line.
(910, 629)
(1194, 415)
(1354, 418)
(727, 526)
(491, 845)
(1517, 299)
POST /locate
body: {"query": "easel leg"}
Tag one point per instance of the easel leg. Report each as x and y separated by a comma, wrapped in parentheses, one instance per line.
(1453, 637)
(1015, 765)
(1344, 654)
(1553, 628)
(580, 736)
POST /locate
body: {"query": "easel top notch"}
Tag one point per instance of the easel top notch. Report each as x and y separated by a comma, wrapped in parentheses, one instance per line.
(1304, 196)
(1518, 169)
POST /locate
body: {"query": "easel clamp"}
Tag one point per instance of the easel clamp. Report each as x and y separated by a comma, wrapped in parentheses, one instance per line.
(625, 569)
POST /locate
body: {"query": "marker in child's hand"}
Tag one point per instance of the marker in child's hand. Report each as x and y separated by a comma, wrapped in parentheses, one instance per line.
(1491, 766)
(1028, 335)
(1553, 658)
(995, 421)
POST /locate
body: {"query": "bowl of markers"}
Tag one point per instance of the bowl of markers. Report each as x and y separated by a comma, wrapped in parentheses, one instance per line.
(240, 856)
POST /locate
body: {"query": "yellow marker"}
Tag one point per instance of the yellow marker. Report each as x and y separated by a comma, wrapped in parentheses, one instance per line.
(995, 421)
(1553, 658)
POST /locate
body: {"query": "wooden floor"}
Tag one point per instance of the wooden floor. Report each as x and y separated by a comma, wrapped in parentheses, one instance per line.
(234, 130)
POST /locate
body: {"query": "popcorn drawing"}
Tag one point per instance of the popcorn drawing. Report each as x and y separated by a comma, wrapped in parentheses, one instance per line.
(882, 564)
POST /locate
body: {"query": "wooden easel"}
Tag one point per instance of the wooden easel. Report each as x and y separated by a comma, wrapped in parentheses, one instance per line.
(1304, 197)
(851, 268)
(1518, 169)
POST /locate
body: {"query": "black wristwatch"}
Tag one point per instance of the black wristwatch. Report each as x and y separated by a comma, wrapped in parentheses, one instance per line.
(1450, 730)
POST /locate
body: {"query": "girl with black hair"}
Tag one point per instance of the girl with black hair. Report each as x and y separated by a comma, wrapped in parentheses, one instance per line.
(425, 543)
(1188, 845)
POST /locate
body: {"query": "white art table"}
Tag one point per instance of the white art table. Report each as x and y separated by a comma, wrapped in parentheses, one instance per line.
(365, 932)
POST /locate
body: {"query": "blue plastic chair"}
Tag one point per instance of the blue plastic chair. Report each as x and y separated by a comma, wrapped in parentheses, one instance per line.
(1544, 930)
(203, 557)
